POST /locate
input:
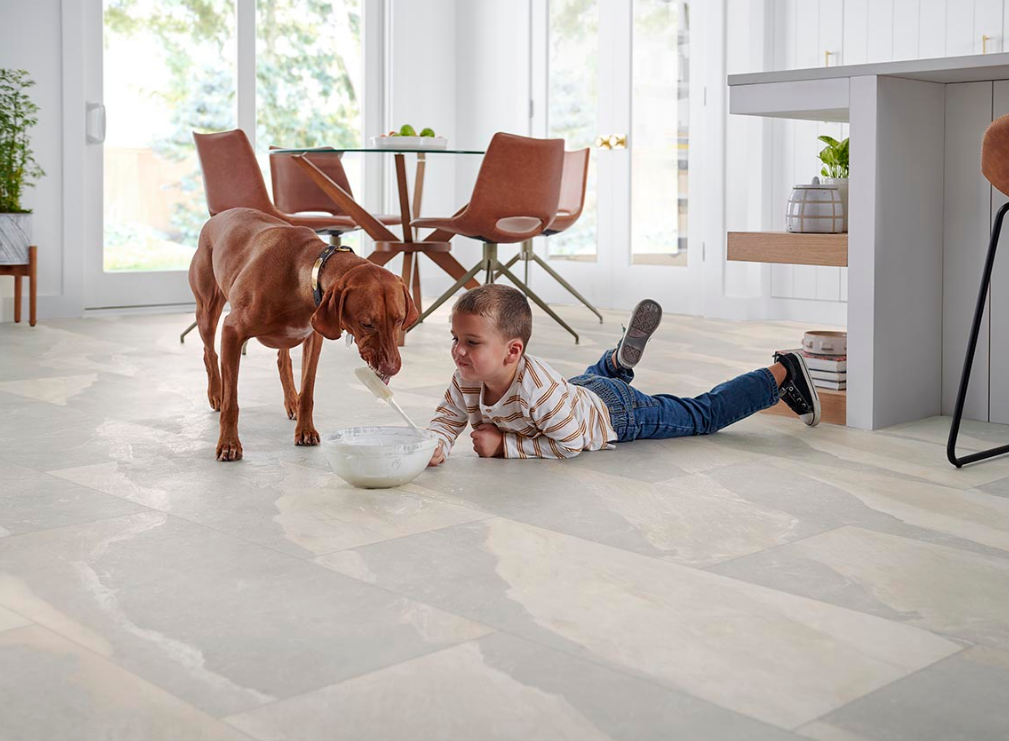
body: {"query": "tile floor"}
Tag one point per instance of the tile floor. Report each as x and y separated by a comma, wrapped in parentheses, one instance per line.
(767, 582)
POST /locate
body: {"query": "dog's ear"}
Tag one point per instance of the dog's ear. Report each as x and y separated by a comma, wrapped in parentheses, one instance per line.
(328, 318)
(411, 308)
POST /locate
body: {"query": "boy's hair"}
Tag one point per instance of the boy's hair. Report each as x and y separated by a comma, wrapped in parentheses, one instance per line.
(505, 307)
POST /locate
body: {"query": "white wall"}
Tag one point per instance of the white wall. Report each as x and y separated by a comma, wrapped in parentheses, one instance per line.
(30, 39)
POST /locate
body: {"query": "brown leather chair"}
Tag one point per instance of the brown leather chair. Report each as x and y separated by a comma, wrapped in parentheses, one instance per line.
(514, 199)
(295, 193)
(232, 179)
(569, 208)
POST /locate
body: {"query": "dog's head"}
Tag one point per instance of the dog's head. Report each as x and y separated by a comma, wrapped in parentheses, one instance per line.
(373, 305)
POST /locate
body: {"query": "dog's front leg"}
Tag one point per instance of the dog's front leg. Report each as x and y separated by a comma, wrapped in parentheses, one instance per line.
(305, 433)
(228, 446)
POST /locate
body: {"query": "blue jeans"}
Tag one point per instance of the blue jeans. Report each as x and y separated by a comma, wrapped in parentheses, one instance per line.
(635, 415)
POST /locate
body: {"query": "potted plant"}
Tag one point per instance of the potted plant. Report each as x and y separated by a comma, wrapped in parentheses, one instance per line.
(834, 157)
(17, 164)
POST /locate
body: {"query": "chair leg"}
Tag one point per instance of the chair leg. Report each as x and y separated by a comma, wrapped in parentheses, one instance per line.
(539, 302)
(190, 328)
(968, 362)
(17, 298)
(33, 284)
(470, 274)
(490, 257)
(508, 265)
(570, 289)
(416, 285)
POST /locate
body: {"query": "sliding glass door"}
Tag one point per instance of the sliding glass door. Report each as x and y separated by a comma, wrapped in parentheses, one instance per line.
(618, 79)
(161, 69)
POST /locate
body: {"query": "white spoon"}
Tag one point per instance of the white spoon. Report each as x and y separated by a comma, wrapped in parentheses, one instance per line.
(374, 384)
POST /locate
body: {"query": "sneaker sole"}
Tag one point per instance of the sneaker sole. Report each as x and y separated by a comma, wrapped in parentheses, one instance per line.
(645, 319)
(816, 396)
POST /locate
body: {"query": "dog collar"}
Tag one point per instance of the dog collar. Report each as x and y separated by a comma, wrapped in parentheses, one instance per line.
(317, 269)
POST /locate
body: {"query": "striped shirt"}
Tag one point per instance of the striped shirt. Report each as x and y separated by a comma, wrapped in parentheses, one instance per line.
(540, 416)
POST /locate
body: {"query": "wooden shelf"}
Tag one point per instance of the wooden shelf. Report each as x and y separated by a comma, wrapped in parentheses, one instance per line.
(833, 407)
(785, 247)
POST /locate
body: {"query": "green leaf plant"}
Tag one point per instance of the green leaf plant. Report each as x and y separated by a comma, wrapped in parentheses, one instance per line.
(834, 157)
(17, 164)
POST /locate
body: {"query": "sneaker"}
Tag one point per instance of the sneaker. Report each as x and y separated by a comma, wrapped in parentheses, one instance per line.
(643, 322)
(798, 390)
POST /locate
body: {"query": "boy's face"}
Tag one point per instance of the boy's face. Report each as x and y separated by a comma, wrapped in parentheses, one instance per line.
(480, 352)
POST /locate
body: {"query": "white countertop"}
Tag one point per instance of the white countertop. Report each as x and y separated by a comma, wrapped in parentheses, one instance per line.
(974, 68)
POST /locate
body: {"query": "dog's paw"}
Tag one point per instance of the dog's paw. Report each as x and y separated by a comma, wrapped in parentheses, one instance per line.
(230, 450)
(291, 407)
(214, 396)
(306, 436)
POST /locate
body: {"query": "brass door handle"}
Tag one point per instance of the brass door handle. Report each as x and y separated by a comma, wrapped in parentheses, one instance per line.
(984, 44)
(613, 141)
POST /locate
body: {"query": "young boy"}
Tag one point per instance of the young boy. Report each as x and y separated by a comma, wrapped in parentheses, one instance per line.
(519, 407)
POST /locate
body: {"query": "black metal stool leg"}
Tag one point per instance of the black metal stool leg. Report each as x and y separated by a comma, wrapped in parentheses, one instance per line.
(975, 328)
(190, 328)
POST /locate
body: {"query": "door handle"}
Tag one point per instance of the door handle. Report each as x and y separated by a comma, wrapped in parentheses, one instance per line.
(613, 141)
(94, 123)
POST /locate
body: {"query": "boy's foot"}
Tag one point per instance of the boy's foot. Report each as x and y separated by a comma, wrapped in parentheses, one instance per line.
(644, 321)
(798, 390)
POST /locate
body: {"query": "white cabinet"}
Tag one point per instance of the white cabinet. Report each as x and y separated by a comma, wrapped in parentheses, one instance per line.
(879, 31)
(906, 36)
(988, 33)
(856, 20)
(931, 29)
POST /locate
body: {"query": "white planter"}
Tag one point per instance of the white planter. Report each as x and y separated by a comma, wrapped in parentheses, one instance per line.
(15, 236)
(842, 189)
(815, 209)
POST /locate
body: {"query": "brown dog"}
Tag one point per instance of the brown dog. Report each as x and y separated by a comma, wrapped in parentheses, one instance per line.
(263, 267)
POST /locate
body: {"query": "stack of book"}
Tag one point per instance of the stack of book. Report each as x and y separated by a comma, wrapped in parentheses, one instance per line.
(828, 371)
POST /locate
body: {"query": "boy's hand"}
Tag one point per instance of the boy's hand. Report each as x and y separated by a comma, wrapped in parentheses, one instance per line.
(488, 442)
(438, 458)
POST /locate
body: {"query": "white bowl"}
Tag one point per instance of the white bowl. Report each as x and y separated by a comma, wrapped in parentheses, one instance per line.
(379, 457)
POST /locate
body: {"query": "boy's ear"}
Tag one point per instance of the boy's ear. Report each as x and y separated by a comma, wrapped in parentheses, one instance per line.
(515, 350)
(328, 318)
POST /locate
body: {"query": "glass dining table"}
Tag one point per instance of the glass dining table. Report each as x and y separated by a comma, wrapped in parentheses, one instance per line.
(387, 245)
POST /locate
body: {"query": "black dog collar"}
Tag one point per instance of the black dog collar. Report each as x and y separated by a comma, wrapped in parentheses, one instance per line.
(317, 269)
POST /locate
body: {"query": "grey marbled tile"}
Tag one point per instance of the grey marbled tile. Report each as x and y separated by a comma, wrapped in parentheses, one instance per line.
(52, 688)
(45, 437)
(947, 590)
(760, 652)
(13, 472)
(827, 497)
(221, 623)
(299, 510)
(10, 620)
(41, 501)
(691, 519)
(498, 687)
(962, 698)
